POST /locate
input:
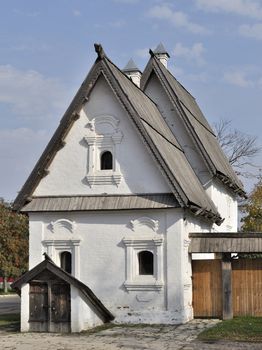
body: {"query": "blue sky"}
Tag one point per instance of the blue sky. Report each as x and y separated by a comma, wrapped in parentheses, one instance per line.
(46, 49)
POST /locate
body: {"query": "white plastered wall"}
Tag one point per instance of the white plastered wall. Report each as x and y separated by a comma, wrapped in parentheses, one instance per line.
(103, 261)
(68, 170)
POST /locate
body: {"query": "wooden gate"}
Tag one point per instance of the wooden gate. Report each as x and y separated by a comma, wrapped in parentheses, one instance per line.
(49, 306)
(246, 288)
(207, 297)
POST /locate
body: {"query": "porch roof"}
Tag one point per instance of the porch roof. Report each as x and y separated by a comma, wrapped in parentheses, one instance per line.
(49, 265)
(225, 242)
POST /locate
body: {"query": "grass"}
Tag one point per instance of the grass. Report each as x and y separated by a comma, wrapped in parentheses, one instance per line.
(10, 291)
(10, 323)
(237, 329)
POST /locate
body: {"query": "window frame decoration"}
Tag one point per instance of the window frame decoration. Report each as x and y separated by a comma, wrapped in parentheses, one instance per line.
(143, 238)
(103, 135)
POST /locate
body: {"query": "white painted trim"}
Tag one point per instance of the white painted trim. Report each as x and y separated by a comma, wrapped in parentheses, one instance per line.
(99, 143)
(55, 247)
(63, 223)
(134, 281)
(144, 221)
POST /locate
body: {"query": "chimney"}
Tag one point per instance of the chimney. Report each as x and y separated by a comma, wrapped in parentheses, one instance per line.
(161, 53)
(132, 72)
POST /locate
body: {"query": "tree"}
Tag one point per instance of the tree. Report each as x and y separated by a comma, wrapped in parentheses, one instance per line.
(240, 148)
(252, 220)
(13, 242)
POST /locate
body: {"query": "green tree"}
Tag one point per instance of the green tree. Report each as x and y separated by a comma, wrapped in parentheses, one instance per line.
(13, 242)
(252, 220)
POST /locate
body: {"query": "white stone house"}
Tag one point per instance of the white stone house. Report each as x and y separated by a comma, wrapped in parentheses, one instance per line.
(131, 170)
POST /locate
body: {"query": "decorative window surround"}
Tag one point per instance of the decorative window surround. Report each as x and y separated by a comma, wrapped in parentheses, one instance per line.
(134, 281)
(55, 247)
(63, 224)
(103, 135)
(146, 222)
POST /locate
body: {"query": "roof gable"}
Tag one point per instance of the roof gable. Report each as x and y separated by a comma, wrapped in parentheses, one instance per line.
(154, 131)
(195, 122)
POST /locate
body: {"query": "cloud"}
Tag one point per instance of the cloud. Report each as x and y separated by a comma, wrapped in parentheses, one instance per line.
(29, 93)
(143, 53)
(19, 150)
(118, 23)
(238, 78)
(76, 13)
(178, 19)
(194, 53)
(251, 31)
(247, 8)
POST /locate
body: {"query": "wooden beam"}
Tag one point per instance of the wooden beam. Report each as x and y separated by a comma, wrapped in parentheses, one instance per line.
(227, 286)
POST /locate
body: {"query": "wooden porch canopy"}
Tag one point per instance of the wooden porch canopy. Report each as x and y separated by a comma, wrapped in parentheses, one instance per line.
(225, 242)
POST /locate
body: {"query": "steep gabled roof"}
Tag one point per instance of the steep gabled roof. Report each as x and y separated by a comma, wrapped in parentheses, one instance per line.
(195, 122)
(49, 265)
(152, 128)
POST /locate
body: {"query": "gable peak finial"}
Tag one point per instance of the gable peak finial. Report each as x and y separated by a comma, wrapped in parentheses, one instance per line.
(99, 50)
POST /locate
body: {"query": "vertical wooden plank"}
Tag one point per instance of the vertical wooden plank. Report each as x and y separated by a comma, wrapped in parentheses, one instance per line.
(227, 286)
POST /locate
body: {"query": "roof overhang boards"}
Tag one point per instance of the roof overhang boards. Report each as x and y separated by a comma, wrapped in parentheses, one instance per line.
(155, 66)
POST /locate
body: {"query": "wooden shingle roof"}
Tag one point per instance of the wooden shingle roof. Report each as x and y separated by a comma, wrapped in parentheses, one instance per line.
(152, 128)
(225, 242)
(101, 202)
(196, 124)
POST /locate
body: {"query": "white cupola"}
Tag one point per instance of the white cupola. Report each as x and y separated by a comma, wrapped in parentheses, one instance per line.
(161, 53)
(133, 72)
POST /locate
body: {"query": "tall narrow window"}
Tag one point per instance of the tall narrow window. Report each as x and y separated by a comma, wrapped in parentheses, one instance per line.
(146, 263)
(66, 261)
(106, 161)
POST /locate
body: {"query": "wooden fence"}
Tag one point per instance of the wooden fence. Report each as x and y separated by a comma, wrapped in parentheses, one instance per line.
(246, 287)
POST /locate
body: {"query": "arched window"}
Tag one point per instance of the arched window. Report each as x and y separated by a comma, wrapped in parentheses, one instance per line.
(106, 161)
(66, 261)
(146, 263)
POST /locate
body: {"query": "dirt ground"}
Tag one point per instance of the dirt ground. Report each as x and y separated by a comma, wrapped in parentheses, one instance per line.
(160, 337)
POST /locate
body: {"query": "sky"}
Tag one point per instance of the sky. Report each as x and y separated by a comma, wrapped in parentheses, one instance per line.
(46, 50)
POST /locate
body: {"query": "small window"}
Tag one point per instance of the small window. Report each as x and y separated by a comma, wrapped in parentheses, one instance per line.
(146, 263)
(66, 261)
(106, 161)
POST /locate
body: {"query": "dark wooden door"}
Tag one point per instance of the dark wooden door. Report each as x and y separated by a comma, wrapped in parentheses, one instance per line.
(60, 307)
(38, 307)
(50, 306)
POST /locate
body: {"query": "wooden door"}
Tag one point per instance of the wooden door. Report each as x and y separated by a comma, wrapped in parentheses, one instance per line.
(60, 307)
(207, 288)
(38, 307)
(50, 306)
